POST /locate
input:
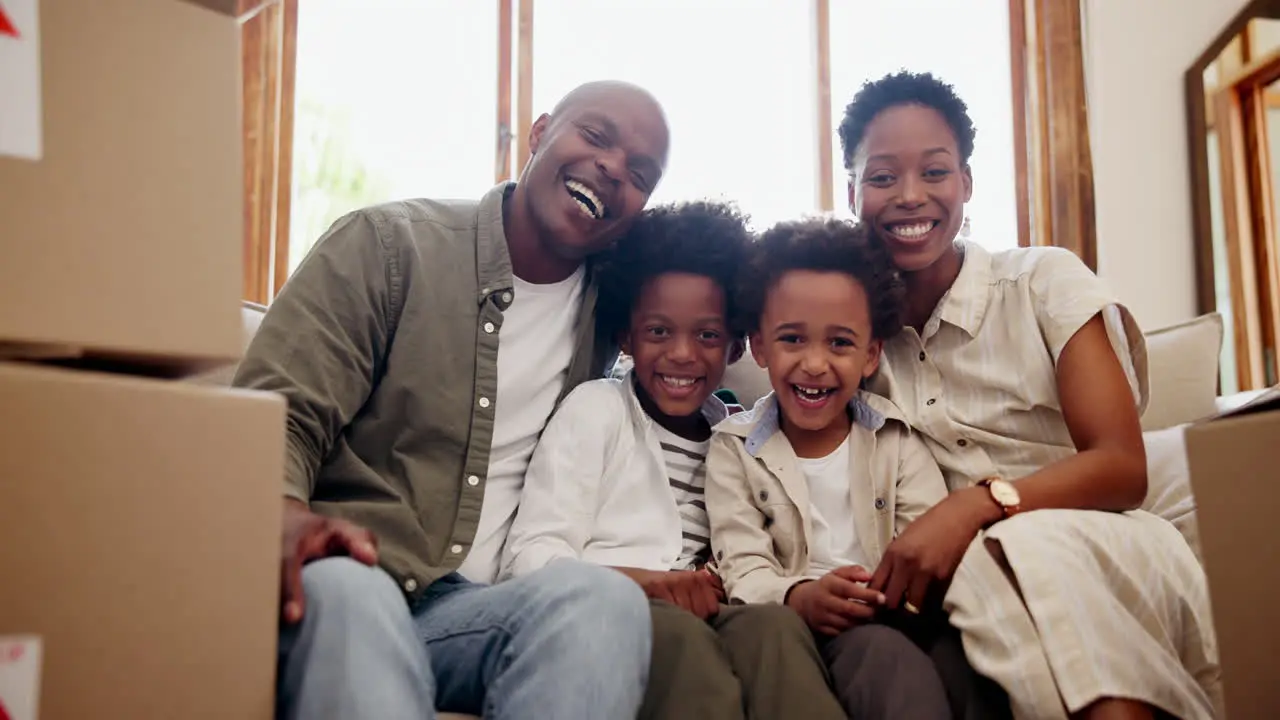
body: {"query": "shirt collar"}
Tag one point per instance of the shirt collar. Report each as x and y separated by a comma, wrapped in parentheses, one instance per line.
(766, 417)
(713, 408)
(493, 259)
(965, 304)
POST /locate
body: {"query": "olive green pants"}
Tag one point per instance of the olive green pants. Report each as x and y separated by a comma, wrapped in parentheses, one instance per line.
(749, 661)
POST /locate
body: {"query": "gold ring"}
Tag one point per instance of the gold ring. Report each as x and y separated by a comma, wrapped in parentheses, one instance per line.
(906, 605)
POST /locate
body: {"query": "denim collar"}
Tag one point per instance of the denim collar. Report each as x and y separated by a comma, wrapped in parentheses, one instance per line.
(868, 410)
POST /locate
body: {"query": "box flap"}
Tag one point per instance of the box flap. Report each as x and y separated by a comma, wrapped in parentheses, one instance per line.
(1266, 402)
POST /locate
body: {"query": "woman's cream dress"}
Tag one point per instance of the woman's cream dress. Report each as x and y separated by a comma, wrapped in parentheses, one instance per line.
(1105, 604)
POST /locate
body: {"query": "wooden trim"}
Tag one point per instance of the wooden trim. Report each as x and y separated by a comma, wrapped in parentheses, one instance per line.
(1200, 108)
(1262, 203)
(524, 80)
(1036, 126)
(822, 44)
(1201, 202)
(284, 141)
(1237, 218)
(502, 129)
(260, 58)
(1018, 66)
(1063, 103)
(1263, 71)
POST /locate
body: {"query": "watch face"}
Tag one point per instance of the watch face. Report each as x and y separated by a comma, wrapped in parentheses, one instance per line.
(1005, 493)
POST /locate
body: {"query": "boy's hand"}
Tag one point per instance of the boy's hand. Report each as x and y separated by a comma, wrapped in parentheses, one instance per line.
(836, 601)
(698, 591)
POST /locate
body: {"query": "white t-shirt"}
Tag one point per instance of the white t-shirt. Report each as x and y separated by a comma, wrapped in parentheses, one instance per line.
(835, 540)
(535, 346)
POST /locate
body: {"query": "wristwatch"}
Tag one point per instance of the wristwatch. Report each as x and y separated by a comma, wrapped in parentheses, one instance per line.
(1004, 494)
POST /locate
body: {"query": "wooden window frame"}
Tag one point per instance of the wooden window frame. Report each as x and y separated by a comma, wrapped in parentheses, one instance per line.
(1054, 176)
(1235, 109)
(269, 52)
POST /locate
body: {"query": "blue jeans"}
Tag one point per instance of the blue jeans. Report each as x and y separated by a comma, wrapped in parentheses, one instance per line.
(570, 641)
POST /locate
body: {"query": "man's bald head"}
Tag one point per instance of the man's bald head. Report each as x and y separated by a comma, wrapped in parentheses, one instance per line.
(595, 159)
(607, 90)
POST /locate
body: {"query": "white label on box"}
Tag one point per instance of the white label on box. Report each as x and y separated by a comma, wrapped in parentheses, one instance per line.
(20, 113)
(19, 677)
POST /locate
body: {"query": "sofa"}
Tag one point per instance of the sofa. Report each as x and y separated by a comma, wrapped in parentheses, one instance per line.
(1183, 373)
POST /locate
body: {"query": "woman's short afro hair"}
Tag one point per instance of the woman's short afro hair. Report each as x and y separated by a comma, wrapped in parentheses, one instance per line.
(905, 88)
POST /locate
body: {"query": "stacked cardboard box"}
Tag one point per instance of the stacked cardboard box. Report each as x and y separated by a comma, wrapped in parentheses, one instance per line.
(139, 515)
(1234, 461)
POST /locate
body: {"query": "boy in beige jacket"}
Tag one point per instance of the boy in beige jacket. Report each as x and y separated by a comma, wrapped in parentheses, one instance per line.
(806, 490)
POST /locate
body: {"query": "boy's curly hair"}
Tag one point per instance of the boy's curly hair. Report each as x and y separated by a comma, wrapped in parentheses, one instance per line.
(701, 238)
(824, 245)
(905, 88)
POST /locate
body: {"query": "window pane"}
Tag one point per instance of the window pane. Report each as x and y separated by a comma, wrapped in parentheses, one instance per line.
(395, 99)
(965, 44)
(736, 78)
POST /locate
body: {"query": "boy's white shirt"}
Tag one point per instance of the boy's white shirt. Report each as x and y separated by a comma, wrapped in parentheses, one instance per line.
(597, 488)
(758, 497)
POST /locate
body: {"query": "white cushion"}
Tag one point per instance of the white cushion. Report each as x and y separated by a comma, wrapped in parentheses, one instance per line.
(1169, 482)
(250, 318)
(1182, 366)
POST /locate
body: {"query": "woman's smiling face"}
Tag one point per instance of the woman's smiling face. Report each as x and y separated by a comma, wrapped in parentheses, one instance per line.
(910, 185)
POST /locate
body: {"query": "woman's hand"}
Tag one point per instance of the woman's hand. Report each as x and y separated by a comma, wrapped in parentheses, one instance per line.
(926, 554)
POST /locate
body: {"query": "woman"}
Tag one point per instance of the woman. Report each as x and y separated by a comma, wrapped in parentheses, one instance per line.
(1021, 372)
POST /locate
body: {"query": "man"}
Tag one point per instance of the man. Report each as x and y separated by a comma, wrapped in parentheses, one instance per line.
(422, 346)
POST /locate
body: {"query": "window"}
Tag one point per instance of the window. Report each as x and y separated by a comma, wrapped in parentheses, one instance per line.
(352, 102)
(965, 44)
(736, 78)
(395, 99)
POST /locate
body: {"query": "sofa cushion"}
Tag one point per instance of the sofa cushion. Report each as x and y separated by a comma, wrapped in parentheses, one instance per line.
(250, 318)
(1182, 362)
(1169, 482)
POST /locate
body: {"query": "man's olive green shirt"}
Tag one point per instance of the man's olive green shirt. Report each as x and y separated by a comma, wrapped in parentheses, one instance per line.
(385, 344)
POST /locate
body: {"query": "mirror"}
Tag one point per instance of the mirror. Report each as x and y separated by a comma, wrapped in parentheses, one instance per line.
(1233, 108)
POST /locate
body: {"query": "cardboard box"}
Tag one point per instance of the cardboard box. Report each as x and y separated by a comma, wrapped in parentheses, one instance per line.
(1234, 461)
(124, 239)
(139, 543)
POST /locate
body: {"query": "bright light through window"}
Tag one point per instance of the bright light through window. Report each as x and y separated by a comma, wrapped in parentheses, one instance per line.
(395, 99)
(736, 77)
(964, 43)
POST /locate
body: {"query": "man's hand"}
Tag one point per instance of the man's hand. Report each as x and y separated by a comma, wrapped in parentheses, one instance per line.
(698, 591)
(308, 537)
(836, 601)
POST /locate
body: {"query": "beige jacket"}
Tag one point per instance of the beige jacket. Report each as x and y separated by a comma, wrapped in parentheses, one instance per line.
(758, 498)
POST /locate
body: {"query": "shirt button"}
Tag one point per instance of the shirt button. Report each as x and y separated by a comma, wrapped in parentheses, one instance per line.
(506, 297)
(962, 442)
(410, 585)
(484, 402)
(473, 481)
(456, 549)
(488, 327)
(931, 401)
(879, 503)
(922, 356)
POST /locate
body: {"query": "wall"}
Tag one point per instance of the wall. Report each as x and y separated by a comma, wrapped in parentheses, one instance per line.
(1137, 52)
